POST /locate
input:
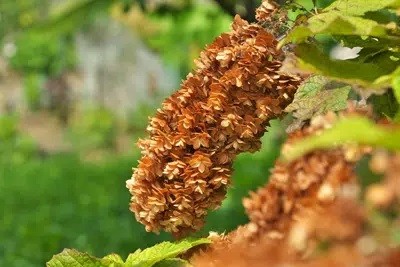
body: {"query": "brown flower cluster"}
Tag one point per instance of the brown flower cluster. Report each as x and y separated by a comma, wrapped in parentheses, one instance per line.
(301, 187)
(311, 202)
(221, 110)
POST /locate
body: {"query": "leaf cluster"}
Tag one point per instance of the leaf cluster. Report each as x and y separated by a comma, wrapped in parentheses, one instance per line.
(162, 254)
(371, 25)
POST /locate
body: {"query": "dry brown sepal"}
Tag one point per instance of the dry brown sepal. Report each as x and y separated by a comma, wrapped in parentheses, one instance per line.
(221, 110)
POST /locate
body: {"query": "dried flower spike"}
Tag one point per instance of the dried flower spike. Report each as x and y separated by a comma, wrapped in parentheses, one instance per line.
(221, 110)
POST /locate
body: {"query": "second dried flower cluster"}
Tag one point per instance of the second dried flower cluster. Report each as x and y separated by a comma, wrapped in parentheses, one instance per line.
(315, 210)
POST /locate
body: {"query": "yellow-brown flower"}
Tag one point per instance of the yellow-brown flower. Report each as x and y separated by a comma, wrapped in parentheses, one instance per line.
(221, 110)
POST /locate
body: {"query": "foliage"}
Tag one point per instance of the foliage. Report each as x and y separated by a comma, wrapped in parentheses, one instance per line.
(94, 127)
(63, 201)
(8, 127)
(137, 119)
(371, 25)
(84, 205)
(72, 15)
(48, 55)
(183, 35)
(162, 254)
(316, 96)
(14, 146)
(18, 14)
(362, 132)
(32, 89)
(351, 23)
(175, 35)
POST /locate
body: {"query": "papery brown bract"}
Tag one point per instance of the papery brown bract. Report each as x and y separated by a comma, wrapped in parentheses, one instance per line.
(221, 110)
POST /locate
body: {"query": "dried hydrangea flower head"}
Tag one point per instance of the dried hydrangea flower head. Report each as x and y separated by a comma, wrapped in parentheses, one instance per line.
(301, 186)
(221, 110)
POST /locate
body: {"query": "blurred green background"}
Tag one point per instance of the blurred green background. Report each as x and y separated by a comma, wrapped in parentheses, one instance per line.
(78, 80)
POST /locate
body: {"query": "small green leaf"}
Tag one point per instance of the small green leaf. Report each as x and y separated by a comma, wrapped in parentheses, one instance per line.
(316, 96)
(360, 7)
(350, 130)
(162, 251)
(74, 258)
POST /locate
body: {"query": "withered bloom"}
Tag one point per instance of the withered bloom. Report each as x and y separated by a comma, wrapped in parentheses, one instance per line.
(221, 110)
(301, 187)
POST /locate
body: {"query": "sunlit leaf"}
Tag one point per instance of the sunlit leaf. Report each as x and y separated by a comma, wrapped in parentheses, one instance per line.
(316, 96)
(348, 130)
(160, 255)
(336, 23)
(312, 58)
(360, 7)
(159, 252)
(74, 258)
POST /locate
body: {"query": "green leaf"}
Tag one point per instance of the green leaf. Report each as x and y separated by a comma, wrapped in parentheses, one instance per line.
(384, 104)
(159, 252)
(74, 258)
(312, 58)
(174, 262)
(348, 130)
(367, 42)
(360, 7)
(160, 255)
(316, 96)
(336, 23)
